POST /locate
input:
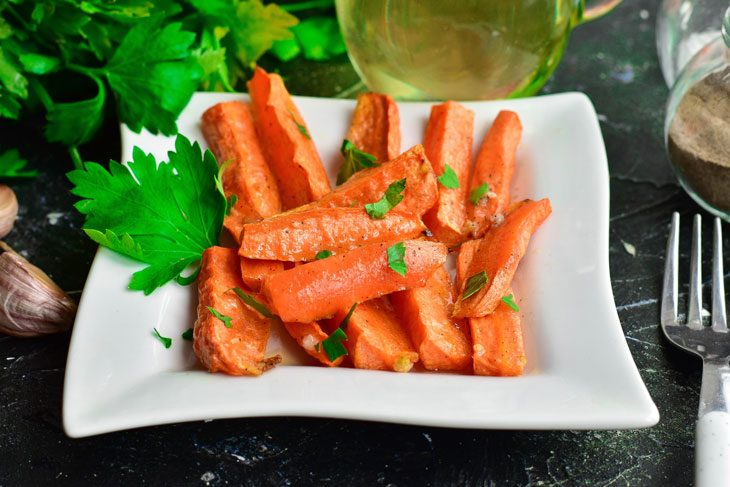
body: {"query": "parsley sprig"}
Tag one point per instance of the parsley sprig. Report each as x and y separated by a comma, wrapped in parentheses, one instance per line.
(449, 179)
(332, 345)
(396, 258)
(389, 200)
(355, 161)
(474, 284)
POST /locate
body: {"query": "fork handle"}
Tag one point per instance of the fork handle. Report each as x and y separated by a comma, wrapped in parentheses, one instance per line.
(712, 450)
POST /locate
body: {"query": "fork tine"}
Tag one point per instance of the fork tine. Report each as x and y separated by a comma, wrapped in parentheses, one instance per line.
(669, 293)
(719, 319)
(694, 317)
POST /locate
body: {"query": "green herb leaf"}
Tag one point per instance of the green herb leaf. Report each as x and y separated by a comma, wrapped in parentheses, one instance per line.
(302, 128)
(167, 214)
(38, 63)
(355, 160)
(320, 38)
(510, 302)
(391, 198)
(10, 75)
(333, 346)
(77, 123)
(256, 27)
(346, 320)
(286, 50)
(250, 301)
(477, 193)
(474, 284)
(396, 254)
(12, 165)
(449, 179)
(9, 105)
(165, 340)
(188, 335)
(323, 254)
(225, 319)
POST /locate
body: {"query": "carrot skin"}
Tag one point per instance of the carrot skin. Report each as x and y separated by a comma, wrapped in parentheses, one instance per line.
(294, 160)
(238, 350)
(449, 140)
(463, 261)
(231, 135)
(253, 271)
(308, 336)
(375, 127)
(299, 236)
(498, 346)
(321, 288)
(495, 166)
(426, 316)
(499, 253)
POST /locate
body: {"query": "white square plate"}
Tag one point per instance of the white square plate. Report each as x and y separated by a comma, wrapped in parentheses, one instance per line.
(580, 373)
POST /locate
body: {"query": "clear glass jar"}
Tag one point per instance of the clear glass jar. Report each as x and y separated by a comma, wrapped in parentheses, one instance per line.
(697, 125)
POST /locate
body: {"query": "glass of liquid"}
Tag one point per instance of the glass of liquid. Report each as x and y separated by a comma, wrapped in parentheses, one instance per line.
(459, 49)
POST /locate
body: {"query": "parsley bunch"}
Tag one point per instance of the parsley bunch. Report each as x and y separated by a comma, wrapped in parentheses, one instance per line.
(142, 58)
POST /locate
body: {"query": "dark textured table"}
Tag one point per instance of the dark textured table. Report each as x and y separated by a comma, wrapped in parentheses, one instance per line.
(613, 60)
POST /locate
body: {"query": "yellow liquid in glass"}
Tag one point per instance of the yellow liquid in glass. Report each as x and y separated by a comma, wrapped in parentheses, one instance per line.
(461, 49)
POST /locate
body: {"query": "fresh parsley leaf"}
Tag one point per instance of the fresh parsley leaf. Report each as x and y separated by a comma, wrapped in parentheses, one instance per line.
(355, 160)
(319, 38)
(449, 179)
(10, 74)
(167, 214)
(188, 335)
(333, 346)
(153, 75)
(474, 284)
(346, 320)
(391, 198)
(510, 302)
(323, 254)
(76, 123)
(9, 105)
(250, 301)
(286, 50)
(12, 165)
(225, 319)
(38, 63)
(165, 340)
(302, 128)
(396, 255)
(256, 27)
(477, 193)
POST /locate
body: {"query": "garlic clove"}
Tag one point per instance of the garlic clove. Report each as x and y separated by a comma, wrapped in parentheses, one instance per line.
(31, 304)
(8, 209)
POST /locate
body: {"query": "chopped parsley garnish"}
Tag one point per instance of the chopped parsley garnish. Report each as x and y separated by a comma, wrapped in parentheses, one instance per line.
(346, 319)
(302, 128)
(391, 198)
(355, 160)
(396, 255)
(448, 179)
(225, 319)
(477, 193)
(323, 254)
(250, 301)
(165, 340)
(188, 335)
(510, 302)
(332, 345)
(474, 284)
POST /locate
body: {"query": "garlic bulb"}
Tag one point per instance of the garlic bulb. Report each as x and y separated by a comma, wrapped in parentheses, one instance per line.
(8, 209)
(31, 304)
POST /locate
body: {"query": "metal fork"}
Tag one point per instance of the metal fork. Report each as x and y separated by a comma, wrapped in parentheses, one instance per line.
(711, 344)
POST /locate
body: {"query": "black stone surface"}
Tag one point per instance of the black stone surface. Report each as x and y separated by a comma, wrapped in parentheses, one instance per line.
(614, 61)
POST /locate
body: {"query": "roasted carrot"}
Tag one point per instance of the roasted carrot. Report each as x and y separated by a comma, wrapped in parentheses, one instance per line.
(499, 253)
(494, 166)
(466, 254)
(287, 143)
(375, 127)
(375, 337)
(321, 288)
(253, 271)
(229, 130)
(309, 336)
(238, 350)
(299, 236)
(426, 315)
(449, 138)
(498, 346)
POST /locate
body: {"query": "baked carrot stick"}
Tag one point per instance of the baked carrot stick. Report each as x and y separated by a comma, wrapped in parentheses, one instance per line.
(466, 254)
(253, 271)
(300, 236)
(375, 127)
(426, 316)
(321, 288)
(287, 143)
(375, 337)
(448, 142)
(494, 166)
(231, 135)
(498, 254)
(309, 336)
(369, 185)
(238, 349)
(498, 346)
